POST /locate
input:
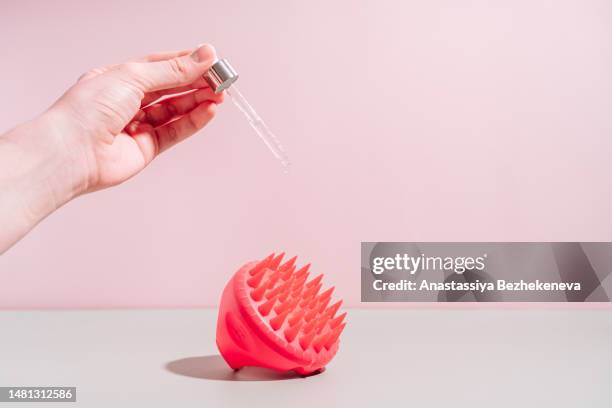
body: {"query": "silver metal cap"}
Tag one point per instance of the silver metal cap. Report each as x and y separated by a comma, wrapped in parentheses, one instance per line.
(220, 75)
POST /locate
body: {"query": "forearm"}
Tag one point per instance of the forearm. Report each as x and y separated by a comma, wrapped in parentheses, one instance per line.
(37, 176)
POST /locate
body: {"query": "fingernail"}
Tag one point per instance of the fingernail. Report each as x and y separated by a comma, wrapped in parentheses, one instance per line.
(203, 53)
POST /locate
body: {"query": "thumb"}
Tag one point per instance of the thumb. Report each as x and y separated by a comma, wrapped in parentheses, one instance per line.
(171, 73)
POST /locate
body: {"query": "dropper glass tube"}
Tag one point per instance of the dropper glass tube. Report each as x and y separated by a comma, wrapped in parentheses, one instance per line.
(220, 76)
(259, 126)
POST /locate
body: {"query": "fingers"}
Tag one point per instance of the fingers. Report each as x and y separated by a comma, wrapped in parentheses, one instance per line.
(162, 56)
(174, 132)
(172, 73)
(144, 136)
(151, 97)
(156, 128)
(152, 141)
(155, 95)
(162, 112)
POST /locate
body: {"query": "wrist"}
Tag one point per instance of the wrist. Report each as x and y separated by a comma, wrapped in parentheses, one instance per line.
(44, 170)
(69, 152)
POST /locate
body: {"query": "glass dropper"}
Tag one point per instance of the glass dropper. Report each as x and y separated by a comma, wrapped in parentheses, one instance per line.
(220, 76)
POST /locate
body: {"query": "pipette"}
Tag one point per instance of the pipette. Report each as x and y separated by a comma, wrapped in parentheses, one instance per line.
(220, 76)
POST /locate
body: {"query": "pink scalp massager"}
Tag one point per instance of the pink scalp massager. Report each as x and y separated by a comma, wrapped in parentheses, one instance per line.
(270, 316)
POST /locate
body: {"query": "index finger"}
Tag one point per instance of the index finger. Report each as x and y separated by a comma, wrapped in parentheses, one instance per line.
(162, 56)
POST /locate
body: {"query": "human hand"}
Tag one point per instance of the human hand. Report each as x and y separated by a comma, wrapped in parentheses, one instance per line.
(112, 121)
(102, 131)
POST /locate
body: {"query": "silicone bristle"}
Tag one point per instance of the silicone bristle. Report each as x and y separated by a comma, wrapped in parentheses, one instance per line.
(306, 300)
(280, 289)
(327, 294)
(276, 261)
(321, 324)
(257, 294)
(303, 271)
(288, 273)
(309, 326)
(291, 332)
(306, 339)
(296, 293)
(266, 307)
(311, 314)
(335, 322)
(274, 277)
(283, 296)
(320, 341)
(323, 303)
(255, 280)
(312, 304)
(315, 281)
(331, 311)
(278, 321)
(311, 292)
(335, 334)
(298, 282)
(287, 305)
(289, 264)
(262, 264)
(296, 317)
(299, 293)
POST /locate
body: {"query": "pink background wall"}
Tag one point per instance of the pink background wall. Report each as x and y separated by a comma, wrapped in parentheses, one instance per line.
(405, 121)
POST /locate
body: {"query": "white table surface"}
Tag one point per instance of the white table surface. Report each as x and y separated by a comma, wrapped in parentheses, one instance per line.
(407, 358)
